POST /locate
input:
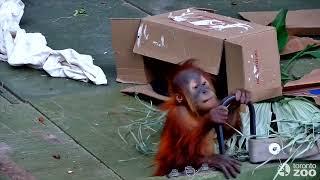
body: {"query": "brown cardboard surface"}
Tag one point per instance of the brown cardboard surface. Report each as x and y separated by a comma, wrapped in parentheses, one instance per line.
(190, 33)
(252, 65)
(302, 87)
(296, 44)
(145, 90)
(174, 37)
(130, 66)
(298, 22)
(176, 45)
(206, 23)
(307, 80)
(304, 92)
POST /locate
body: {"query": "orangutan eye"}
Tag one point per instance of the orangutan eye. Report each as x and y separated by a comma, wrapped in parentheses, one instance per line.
(195, 87)
(204, 83)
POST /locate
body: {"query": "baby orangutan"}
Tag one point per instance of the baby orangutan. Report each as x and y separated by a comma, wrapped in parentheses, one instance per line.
(194, 110)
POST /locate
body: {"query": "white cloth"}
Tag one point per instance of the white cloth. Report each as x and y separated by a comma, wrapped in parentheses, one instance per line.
(20, 48)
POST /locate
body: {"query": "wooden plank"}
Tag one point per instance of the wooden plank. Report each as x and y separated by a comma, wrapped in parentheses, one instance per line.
(42, 150)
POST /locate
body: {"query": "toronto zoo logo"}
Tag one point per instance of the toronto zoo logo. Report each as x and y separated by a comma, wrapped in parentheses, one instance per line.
(298, 170)
(285, 170)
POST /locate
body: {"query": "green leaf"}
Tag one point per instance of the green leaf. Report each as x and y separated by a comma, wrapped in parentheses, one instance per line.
(285, 75)
(315, 54)
(280, 24)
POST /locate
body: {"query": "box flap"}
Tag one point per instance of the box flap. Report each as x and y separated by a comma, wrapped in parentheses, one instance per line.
(190, 33)
(206, 23)
(254, 65)
(296, 44)
(311, 92)
(145, 90)
(298, 22)
(308, 80)
(130, 66)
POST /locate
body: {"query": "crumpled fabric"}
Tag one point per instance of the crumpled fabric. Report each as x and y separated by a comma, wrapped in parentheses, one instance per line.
(20, 48)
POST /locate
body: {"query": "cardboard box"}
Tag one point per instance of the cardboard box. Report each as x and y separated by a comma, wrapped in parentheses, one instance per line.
(298, 22)
(249, 51)
(307, 86)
